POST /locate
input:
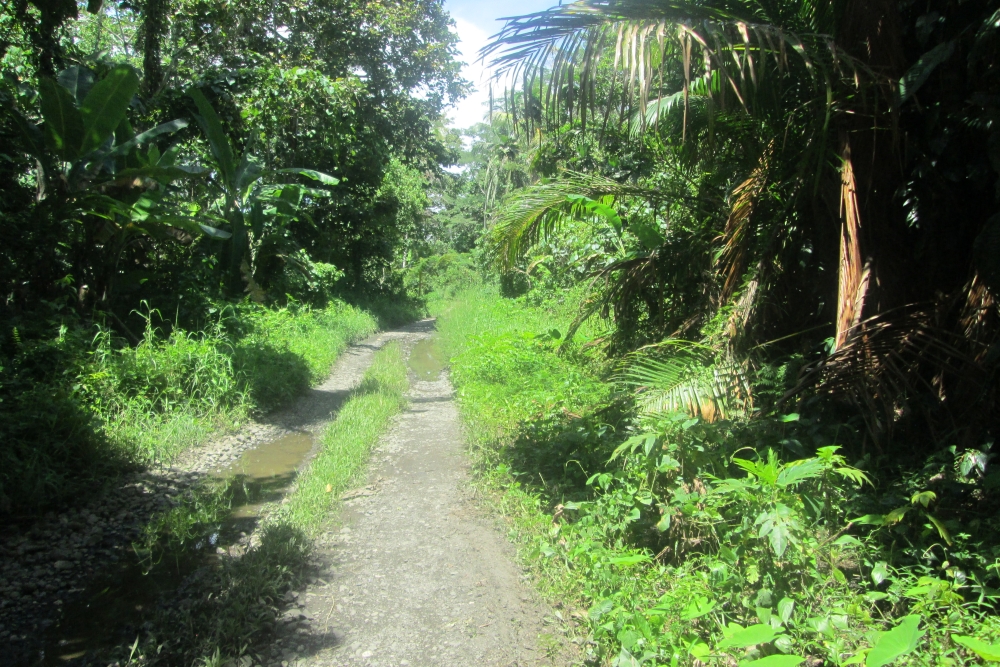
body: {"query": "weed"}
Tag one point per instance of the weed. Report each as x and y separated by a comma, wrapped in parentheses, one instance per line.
(348, 440)
(76, 409)
(682, 541)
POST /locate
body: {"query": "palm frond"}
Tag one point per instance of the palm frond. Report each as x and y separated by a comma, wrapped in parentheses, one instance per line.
(853, 276)
(890, 357)
(683, 376)
(653, 40)
(539, 210)
(738, 235)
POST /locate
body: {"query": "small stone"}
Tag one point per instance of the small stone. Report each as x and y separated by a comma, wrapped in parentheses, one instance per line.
(366, 654)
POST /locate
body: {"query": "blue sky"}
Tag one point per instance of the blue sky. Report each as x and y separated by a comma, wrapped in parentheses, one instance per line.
(476, 22)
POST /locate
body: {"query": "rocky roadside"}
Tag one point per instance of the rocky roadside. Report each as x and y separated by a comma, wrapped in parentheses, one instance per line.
(47, 564)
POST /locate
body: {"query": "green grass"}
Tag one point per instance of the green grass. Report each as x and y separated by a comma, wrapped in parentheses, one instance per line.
(237, 602)
(76, 409)
(543, 427)
(347, 442)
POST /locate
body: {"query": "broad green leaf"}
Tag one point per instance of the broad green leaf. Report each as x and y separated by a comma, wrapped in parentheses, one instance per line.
(626, 659)
(778, 526)
(214, 233)
(649, 236)
(63, 123)
(697, 608)
(918, 74)
(774, 661)
(896, 643)
(162, 128)
(699, 650)
(599, 609)
(325, 179)
(77, 80)
(247, 174)
(751, 636)
(105, 106)
(896, 515)
(629, 560)
(786, 607)
(988, 652)
(216, 135)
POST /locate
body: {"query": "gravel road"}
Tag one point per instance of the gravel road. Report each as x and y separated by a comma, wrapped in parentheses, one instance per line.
(413, 572)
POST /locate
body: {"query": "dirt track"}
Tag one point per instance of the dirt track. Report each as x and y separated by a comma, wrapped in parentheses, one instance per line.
(412, 572)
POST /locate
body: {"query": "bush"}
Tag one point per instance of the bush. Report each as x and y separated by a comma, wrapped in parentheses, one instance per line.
(75, 408)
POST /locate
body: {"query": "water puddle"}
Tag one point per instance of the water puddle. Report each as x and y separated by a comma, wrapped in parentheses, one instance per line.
(265, 473)
(113, 609)
(426, 360)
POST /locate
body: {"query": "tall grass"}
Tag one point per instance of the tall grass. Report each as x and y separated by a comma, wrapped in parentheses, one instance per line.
(506, 365)
(76, 409)
(347, 442)
(659, 553)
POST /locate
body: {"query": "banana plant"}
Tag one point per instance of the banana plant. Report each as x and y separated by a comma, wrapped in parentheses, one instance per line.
(252, 207)
(87, 152)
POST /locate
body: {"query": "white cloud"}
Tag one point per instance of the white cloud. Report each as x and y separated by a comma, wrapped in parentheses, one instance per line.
(473, 108)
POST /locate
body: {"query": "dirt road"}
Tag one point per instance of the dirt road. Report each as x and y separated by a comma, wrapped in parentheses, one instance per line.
(413, 572)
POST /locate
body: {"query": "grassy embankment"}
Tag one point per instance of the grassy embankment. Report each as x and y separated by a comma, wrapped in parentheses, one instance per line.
(236, 603)
(684, 546)
(78, 408)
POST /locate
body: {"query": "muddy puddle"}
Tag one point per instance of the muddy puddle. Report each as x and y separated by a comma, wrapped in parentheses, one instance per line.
(426, 360)
(112, 611)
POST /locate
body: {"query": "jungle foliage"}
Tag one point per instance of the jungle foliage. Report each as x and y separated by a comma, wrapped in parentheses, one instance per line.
(770, 226)
(177, 179)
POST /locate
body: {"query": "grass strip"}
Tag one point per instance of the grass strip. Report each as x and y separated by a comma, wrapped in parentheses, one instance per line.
(348, 441)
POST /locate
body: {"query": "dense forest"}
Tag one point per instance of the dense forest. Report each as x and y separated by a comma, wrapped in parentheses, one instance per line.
(715, 279)
(164, 163)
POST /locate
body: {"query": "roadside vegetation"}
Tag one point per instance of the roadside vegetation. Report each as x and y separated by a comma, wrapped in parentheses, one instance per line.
(191, 195)
(228, 609)
(665, 539)
(107, 405)
(729, 363)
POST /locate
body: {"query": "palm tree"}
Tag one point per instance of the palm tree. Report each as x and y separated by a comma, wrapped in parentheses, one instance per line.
(821, 98)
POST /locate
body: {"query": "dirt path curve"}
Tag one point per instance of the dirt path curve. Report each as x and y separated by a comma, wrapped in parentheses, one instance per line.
(415, 574)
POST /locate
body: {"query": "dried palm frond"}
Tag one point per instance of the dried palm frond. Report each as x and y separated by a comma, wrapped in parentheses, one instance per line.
(738, 236)
(887, 358)
(853, 277)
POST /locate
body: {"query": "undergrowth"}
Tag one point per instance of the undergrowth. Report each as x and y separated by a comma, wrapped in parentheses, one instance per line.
(673, 540)
(81, 405)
